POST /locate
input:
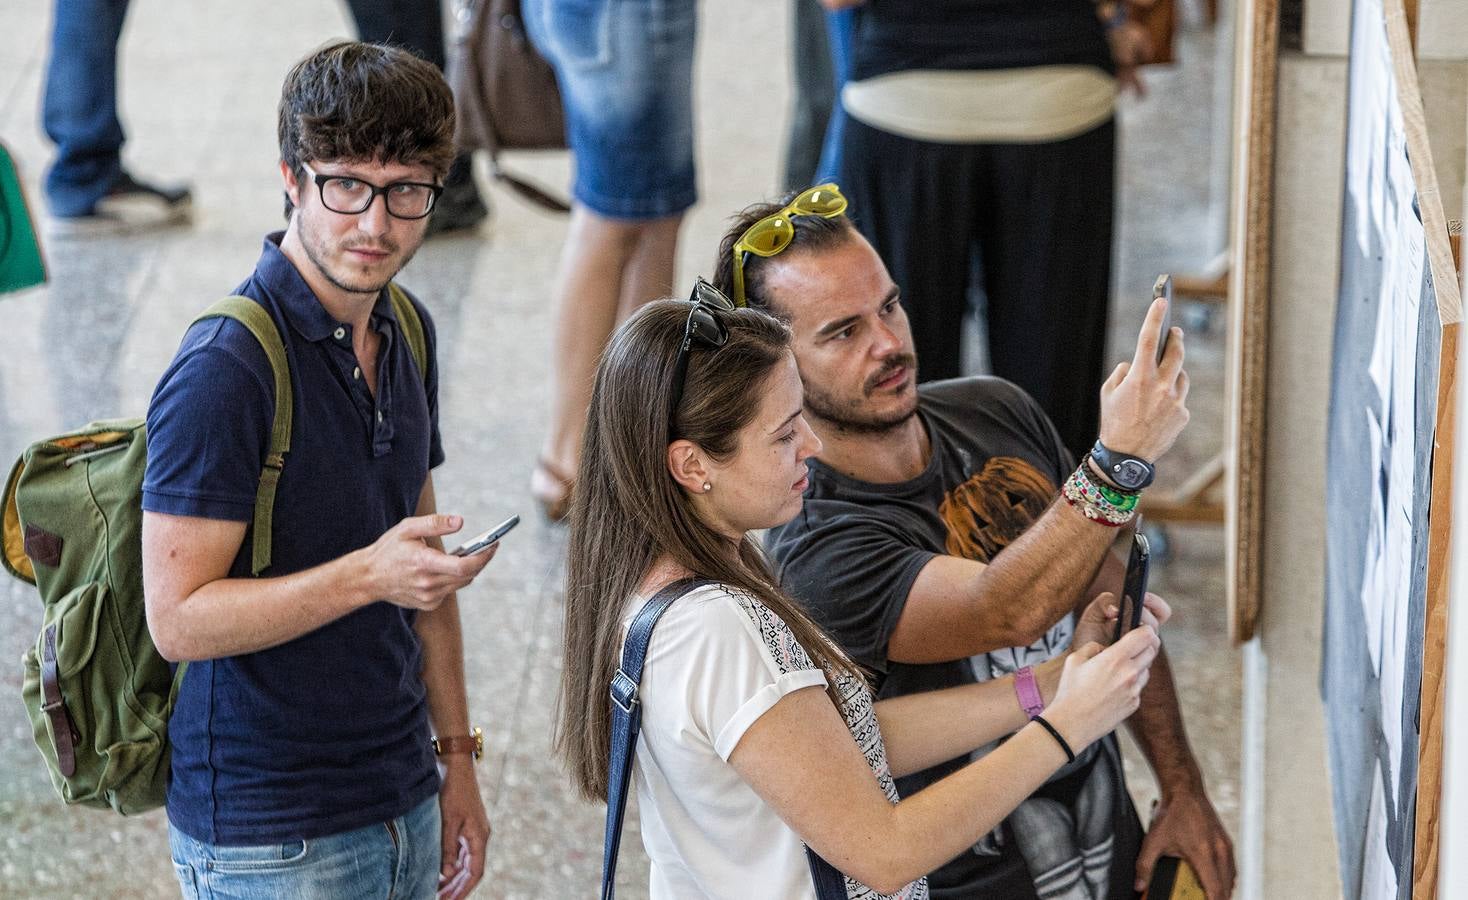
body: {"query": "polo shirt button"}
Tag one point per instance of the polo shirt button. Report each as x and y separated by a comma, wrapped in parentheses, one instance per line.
(379, 415)
(339, 333)
(356, 372)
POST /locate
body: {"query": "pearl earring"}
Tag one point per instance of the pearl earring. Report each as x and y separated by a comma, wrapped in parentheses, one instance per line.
(707, 487)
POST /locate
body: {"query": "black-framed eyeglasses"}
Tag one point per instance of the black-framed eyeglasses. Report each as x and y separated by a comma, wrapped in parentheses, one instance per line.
(350, 196)
(703, 328)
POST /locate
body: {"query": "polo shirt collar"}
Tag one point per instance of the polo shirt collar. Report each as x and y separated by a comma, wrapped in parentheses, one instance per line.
(280, 278)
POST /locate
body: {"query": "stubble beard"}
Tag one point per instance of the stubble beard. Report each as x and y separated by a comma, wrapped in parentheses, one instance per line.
(318, 252)
(849, 415)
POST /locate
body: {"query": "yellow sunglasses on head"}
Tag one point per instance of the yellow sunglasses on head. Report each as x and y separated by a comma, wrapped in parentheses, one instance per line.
(772, 234)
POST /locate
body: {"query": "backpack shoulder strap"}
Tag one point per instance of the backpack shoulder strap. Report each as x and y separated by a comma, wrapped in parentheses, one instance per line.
(828, 882)
(255, 317)
(411, 325)
(627, 718)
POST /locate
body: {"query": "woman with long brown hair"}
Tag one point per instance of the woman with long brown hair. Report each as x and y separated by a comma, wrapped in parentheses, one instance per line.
(695, 438)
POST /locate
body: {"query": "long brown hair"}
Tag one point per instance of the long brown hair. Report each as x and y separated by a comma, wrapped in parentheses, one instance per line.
(628, 510)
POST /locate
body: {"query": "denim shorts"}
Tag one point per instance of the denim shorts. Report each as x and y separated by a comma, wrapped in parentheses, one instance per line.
(397, 859)
(625, 69)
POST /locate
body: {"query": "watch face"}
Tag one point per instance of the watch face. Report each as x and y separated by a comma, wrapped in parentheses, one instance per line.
(1130, 473)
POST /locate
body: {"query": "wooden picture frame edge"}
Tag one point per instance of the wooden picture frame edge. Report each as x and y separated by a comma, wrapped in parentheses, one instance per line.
(1251, 233)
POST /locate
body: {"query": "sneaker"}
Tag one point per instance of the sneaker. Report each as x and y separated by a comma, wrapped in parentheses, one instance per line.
(130, 205)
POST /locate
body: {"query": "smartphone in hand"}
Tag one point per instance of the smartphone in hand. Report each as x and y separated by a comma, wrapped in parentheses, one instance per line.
(487, 539)
(1134, 589)
(1162, 290)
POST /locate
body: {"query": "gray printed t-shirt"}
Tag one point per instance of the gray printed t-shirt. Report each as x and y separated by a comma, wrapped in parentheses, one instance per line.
(852, 555)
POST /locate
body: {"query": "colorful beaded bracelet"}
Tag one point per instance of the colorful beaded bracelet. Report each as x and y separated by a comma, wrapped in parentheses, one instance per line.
(1079, 491)
(1123, 500)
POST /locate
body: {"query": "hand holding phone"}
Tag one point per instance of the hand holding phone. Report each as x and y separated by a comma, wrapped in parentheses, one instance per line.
(1134, 589)
(1162, 290)
(487, 539)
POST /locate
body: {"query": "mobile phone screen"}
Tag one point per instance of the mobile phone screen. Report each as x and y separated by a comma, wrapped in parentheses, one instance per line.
(1162, 290)
(485, 540)
(1134, 589)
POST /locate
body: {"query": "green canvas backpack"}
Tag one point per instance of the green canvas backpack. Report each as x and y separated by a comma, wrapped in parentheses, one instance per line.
(97, 691)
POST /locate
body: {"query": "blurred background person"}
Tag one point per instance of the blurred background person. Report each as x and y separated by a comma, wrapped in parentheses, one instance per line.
(87, 189)
(979, 155)
(625, 71)
(417, 25)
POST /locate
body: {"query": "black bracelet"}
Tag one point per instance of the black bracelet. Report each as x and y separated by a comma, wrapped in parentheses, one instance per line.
(1070, 756)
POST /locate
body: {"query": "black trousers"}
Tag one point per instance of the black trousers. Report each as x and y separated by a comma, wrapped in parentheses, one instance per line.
(1038, 220)
(414, 24)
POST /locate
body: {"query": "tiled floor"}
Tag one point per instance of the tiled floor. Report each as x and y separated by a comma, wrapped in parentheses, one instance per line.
(200, 82)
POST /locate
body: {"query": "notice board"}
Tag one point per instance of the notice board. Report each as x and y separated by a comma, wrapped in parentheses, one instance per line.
(1398, 291)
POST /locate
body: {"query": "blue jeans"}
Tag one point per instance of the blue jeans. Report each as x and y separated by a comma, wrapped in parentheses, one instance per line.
(398, 859)
(625, 68)
(79, 111)
(841, 33)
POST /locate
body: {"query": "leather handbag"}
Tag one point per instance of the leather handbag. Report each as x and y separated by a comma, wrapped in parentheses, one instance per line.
(505, 93)
(1159, 19)
(627, 721)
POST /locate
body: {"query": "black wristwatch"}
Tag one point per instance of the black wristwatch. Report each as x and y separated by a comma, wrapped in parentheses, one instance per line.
(1129, 472)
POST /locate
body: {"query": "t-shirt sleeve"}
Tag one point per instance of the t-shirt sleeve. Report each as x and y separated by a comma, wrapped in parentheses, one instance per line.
(723, 661)
(207, 426)
(853, 571)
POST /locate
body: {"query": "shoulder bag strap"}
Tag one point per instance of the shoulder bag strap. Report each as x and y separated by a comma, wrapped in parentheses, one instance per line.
(255, 317)
(626, 722)
(627, 719)
(411, 326)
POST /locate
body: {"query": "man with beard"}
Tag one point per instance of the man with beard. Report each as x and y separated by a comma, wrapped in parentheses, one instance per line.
(303, 762)
(947, 536)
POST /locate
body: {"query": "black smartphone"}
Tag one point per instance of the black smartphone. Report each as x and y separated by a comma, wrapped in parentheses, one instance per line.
(1162, 290)
(485, 540)
(1134, 589)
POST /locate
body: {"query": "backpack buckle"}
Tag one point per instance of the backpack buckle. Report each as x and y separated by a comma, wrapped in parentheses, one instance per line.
(275, 461)
(624, 692)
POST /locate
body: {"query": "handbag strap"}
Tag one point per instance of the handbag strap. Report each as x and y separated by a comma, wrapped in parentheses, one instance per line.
(627, 721)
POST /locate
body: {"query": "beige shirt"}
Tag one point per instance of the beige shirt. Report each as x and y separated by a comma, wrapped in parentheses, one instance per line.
(1029, 105)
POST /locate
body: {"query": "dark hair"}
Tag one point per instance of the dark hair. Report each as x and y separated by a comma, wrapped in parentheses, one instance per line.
(812, 234)
(358, 101)
(628, 510)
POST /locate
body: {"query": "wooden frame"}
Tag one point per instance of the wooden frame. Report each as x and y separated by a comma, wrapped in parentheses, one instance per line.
(1250, 236)
(1443, 253)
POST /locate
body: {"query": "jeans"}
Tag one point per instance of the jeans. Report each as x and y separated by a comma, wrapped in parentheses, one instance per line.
(841, 34)
(821, 60)
(625, 68)
(398, 859)
(79, 111)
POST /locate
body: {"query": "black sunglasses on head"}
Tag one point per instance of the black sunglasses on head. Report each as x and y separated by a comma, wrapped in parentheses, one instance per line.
(702, 327)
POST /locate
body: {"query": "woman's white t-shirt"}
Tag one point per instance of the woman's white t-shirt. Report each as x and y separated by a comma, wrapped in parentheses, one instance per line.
(718, 660)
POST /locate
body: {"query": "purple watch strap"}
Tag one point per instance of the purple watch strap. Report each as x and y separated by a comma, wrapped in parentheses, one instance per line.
(1028, 692)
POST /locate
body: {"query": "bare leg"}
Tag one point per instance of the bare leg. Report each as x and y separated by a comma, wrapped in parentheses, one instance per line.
(649, 274)
(603, 263)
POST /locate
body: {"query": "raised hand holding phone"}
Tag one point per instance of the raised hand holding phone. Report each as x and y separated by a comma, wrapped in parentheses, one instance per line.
(1144, 402)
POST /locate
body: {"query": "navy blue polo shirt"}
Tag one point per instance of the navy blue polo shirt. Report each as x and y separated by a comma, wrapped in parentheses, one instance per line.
(328, 732)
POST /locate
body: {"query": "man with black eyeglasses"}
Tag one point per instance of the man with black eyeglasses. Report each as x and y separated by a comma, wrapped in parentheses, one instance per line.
(326, 680)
